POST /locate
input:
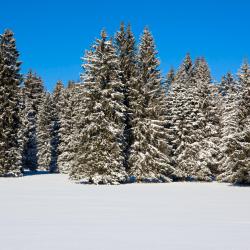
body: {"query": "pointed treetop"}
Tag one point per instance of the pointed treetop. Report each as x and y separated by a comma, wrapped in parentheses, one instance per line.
(121, 32)
(9, 53)
(124, 39)
(147, 52)
(245, 66)
(228, 84)
(184, 71)
(147, 43)
(129, 30)
(8, 34)
(104, 34)
(187, 63)
(59, 86)
(244, 73)
(201, 70)
(122, 27)
(130, 39)
(201, 76)
(7, 38)
(147, 35)
(228, 78)
(171, 71)
(170, 75)
(33, 85)
(71, 84)
(169, 79)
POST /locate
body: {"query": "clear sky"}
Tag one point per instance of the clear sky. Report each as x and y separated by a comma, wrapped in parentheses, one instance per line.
(52, 35)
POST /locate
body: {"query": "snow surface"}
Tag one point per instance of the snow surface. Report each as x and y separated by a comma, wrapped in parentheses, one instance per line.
(44, 212)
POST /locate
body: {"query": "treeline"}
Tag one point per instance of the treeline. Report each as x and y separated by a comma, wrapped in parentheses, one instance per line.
(125, 122)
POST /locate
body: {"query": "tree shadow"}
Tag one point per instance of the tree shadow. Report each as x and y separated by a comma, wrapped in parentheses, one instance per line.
(240, 185)
(35, 172)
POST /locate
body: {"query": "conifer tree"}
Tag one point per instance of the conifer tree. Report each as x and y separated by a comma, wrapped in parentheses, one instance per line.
(193, 141)
(207, 135)
(170, 131)
(148, 158)
(228, 85)
(32, 94)
(10, 79)
(237, 133)
(229, 122)
(67, 105)
(242, 170)
(44, 133)
(177, 108)
(169, 80)
(99, 150)
(126, 50)
(213, 129)
(56, 114)
(191, 131)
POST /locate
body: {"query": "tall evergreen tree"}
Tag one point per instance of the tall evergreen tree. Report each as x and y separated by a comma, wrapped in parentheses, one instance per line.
(148, 158)
(207, 143)
(33, 92)
(56, 114)
(228, 85)
(194, 141)
(177, 107)
(126, 50)
(191, 124)
(44, 133)
(67, 105)
(99, 151)
(169, 80)
(10, 79)
(237, 133)
(229, 122)
(48, 127)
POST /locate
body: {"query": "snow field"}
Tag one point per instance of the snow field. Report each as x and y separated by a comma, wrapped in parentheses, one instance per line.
(49, 212)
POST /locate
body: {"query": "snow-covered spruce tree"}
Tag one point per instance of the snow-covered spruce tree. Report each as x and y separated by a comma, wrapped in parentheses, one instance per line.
(44, 133)
(48, 126)
(67, 105)
(56, 111)
(167, 85)
(126, 50)
(213, 129)
(229, 124)
(169, 80)
(194, 148)
(32, 95)
(10, 78)
(237, 130)
(228, 85)
(176, 104)
(24, 124)
(170, 131)
(209, 151)
(148, 159)
(99, 151)
(192, 129)
(58, 95)
(242, 169)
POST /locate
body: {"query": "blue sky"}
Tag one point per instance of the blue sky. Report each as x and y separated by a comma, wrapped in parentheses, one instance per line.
(52, 35)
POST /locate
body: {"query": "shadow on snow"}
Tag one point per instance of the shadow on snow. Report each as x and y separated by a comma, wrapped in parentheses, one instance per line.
(36, 172)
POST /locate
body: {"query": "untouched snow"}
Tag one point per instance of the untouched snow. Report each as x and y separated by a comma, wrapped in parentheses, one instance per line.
(47, 212)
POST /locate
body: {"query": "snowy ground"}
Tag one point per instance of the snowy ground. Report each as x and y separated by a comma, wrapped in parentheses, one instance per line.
(47, 212)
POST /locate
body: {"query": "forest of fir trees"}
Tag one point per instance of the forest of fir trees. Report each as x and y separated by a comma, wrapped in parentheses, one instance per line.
(124, 122)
